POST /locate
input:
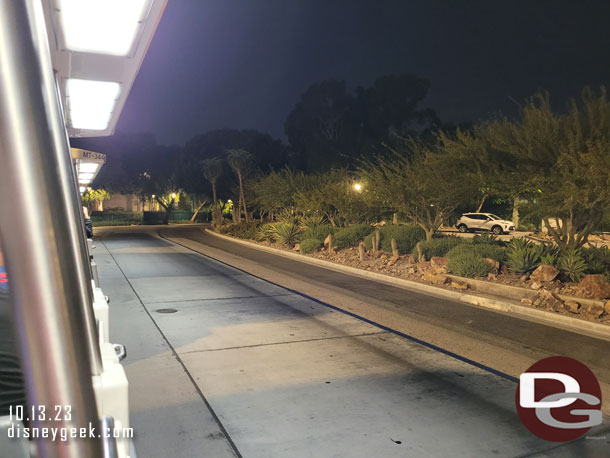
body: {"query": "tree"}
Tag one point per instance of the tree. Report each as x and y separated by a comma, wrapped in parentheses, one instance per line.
(561, 162)
(391, 107)
(94, 195)
(415, 182)
(240, 161)
(212, 170)
(324, 126)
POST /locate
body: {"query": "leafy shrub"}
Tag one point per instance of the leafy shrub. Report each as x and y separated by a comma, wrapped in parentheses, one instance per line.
(319, 232)
(310, 245)
(241, 230)
(495, 252)
(468, 264)
(286, 233)
(406, 237)
(571, 264)
(351, 235)
(438, 246)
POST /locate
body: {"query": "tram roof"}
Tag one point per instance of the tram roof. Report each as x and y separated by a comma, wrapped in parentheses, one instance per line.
(97, 48)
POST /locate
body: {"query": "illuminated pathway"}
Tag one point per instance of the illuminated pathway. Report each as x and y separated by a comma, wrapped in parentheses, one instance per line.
(242, 367)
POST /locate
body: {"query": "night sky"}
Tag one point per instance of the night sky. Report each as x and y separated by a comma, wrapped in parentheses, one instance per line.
(244, 63)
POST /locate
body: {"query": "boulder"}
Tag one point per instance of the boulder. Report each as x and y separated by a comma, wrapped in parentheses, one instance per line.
(572, 306)
(433, 277)
(544, 273)
(297, 247)
(594, 287)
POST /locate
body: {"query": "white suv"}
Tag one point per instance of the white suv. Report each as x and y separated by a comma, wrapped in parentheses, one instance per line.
(470, 222)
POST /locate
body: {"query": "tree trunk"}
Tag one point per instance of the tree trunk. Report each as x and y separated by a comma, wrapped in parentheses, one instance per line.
(242, 197)
(429, 233)
(215, 219)
(516, 203)
(194, 217)
(395, 218)
(481, 203)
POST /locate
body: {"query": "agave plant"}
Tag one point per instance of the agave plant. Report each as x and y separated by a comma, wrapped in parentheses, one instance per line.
(265, 232)
(547, 253)
(522, 256)
(597, 259)
(571, 264)
(286, 233)
(485, 239)
(311, 222)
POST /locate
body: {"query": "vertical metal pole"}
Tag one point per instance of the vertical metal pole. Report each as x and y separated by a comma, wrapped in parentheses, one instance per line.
(38, 235)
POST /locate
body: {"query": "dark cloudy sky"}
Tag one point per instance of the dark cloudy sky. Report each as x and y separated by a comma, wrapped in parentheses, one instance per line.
(244, 63)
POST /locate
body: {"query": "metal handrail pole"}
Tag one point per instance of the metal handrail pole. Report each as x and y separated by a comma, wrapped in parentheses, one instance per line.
(45, 281)
(76, 220)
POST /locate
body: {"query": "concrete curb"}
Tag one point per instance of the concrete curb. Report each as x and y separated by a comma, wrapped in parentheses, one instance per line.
(486, 301)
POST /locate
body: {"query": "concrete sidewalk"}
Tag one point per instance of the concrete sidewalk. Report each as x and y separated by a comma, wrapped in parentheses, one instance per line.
(285, 376)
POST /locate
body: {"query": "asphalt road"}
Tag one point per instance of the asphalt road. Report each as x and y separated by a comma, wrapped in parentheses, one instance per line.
(501, 332)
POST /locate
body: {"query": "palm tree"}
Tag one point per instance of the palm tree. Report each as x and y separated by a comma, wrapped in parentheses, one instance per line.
(212, 169)
(240, 161)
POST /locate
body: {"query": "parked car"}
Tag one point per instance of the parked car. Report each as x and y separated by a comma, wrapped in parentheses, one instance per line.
(470, 222)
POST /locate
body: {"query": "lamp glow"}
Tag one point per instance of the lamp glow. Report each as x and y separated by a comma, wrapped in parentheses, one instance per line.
(90, 103)
(102, 26)
(357, 187)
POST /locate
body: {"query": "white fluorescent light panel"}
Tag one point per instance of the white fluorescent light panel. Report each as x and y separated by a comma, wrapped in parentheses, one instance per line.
(87, 167)
(91, 103)
(102, 26)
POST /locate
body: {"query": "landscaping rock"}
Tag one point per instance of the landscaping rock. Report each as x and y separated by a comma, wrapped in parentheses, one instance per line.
(591, 310)
(439, 261)
(527, 302)
(392, 261)
(433, 277)
(492, 276)
(544, 273)
(461, 285)
(297, 247)
(535, 285)
(572, 306)
(594, 287)
(424, 266)
(545, 299)
(410, 259)
(524, 277)
(607, 307)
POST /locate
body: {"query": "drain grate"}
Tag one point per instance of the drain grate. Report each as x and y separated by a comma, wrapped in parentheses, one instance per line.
(166, 310)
